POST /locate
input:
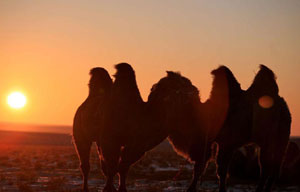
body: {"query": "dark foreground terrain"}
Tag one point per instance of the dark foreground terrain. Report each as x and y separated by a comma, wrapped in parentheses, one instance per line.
(25, 165)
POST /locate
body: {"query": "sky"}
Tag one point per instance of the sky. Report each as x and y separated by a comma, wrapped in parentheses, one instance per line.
(48, 47)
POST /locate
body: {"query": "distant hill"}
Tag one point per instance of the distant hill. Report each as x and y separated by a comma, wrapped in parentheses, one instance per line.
(32, 138)
(35, 128)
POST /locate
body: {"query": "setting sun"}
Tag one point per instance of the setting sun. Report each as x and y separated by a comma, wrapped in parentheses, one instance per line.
(16, 100)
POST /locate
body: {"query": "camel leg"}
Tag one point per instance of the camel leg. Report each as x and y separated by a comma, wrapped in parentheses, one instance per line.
(276, 166)
(109, 174)
(198, 170)
(109, 164)
(223, 160)
(123, 171)
(262, 180)
(109, 186)
(83, 151)
(270, 183)
(266, 168)
(128, 157)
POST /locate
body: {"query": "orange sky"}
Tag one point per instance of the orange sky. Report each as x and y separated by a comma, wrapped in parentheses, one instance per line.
(48, 47)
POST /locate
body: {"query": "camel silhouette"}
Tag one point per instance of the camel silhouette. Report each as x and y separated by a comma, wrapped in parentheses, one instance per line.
(194, 136)
(258, 115)
(173, 109)
(123, 120)
(125, 127)
(88, 119)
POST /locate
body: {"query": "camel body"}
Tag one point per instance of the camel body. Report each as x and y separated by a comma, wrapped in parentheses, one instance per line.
(250, 120)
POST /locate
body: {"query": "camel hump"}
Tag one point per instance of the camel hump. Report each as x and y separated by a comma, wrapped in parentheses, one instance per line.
(125, 76)
(98, 71)
(125, 88)
(225, 88)
(100, 80)
(224, 83)
(173, 83)
(124, 70)
(267, 70)
(100, 74)
(264, 83)
(173, 74)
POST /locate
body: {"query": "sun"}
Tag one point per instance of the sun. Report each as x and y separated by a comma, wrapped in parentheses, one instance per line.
(16, 100)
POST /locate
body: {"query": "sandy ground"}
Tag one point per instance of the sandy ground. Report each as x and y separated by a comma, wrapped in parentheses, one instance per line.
(55, 168)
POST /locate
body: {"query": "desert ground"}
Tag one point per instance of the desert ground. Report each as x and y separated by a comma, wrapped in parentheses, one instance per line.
(54, 166)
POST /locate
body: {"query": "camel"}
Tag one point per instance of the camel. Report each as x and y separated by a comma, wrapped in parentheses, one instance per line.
(196, 141)
(233, 118)
(133, 127)
(88, 118)
(245, 164)
(123, 118)
(258, 115)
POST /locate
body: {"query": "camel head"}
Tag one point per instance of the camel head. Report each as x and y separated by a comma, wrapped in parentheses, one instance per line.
(100, 81)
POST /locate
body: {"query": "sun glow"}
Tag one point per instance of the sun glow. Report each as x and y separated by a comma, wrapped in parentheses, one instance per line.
(16, 100)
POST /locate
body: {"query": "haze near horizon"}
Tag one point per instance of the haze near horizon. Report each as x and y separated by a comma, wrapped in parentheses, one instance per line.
(48, 47)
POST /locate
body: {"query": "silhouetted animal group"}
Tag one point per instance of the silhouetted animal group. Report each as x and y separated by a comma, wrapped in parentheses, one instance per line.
(125, 127)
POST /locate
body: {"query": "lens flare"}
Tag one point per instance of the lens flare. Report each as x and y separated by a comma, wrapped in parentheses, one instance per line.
(266, 101)
(16, 100)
